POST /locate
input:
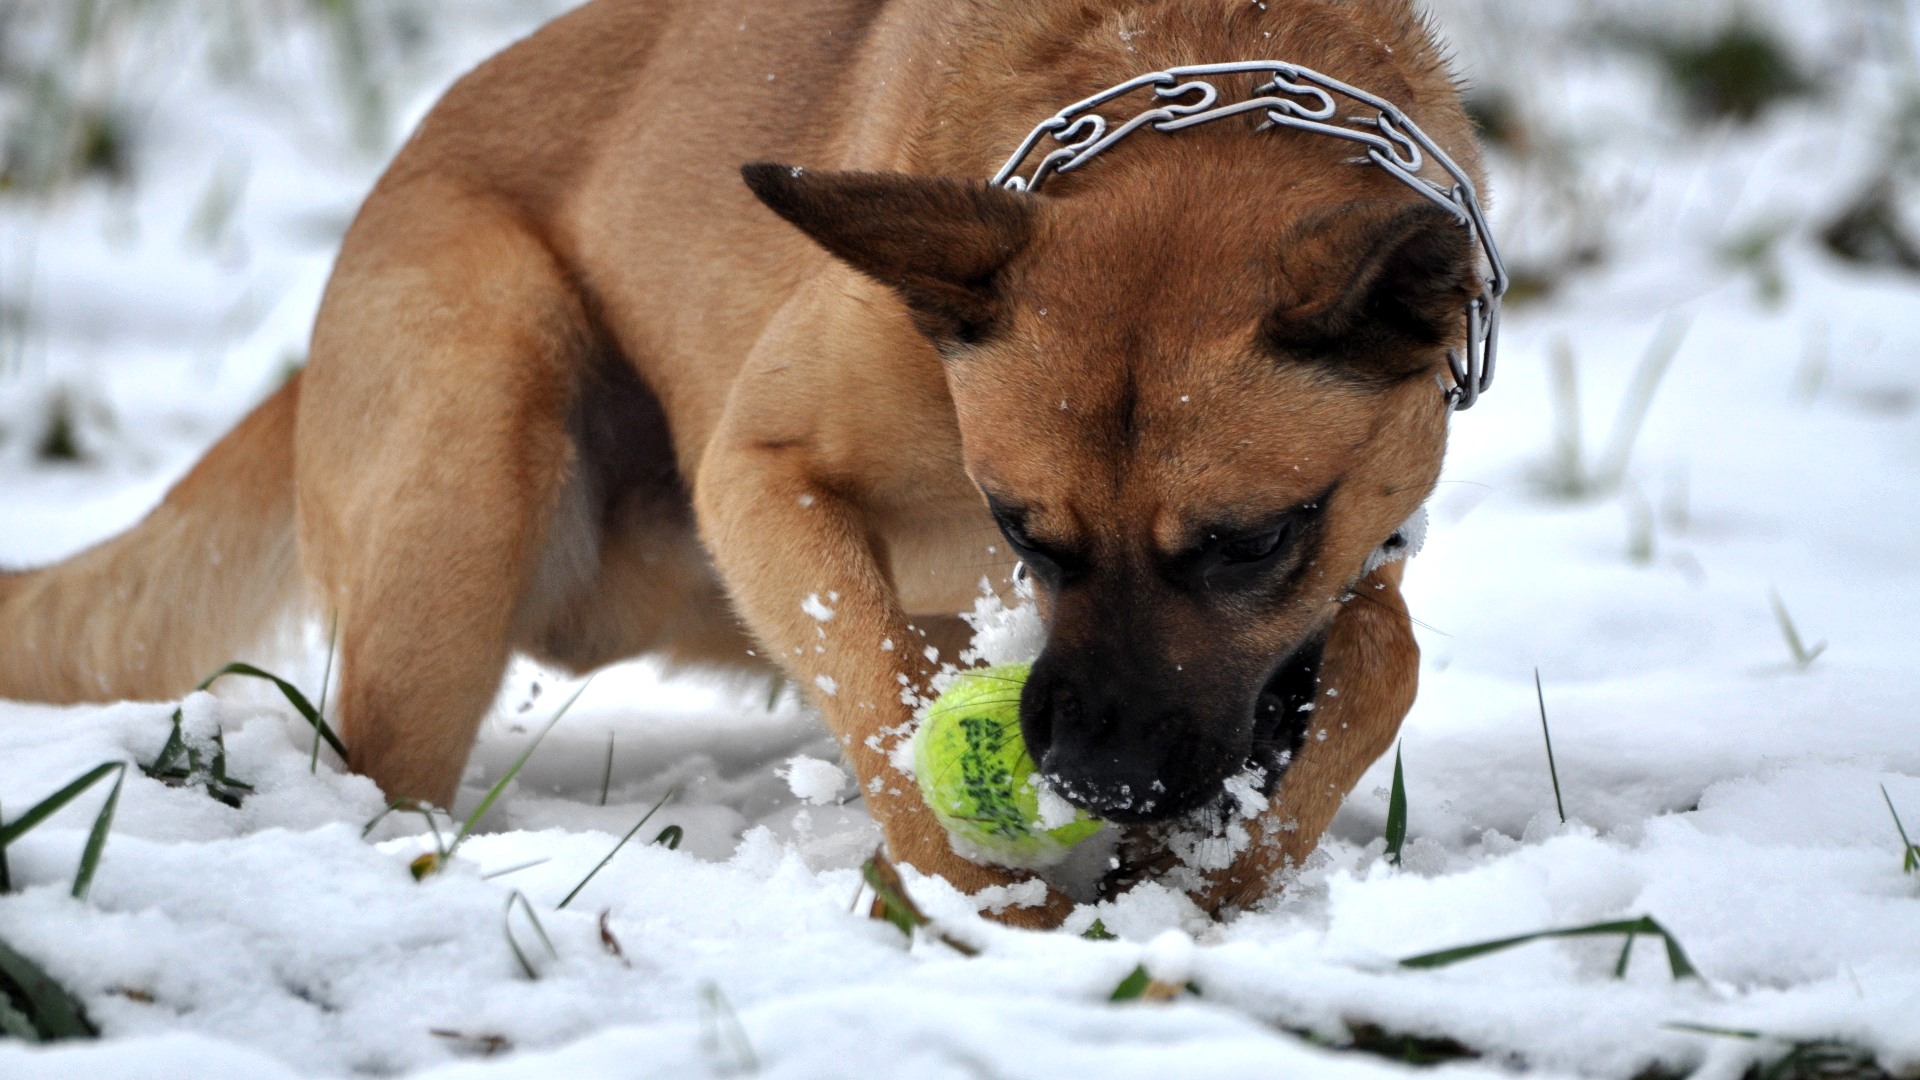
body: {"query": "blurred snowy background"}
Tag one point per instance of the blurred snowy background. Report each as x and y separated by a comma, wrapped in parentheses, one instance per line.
(174, 175)
(1691, 501)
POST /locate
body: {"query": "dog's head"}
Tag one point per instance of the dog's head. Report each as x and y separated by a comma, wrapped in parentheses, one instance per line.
(1195, 402)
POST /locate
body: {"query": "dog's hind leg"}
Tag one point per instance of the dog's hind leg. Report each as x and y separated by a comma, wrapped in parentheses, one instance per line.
(1369, 675)
(432, 450)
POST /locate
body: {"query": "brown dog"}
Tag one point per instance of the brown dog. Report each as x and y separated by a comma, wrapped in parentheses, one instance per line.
(575, 392)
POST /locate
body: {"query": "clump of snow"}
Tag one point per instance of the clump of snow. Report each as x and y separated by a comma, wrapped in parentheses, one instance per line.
(1002, 634)
(817, 608)
(1202, 843)
(900, 752)
(1243, 791)
(1406, 543)
(1054, 811)
(1029, 893)
(1169, 957)
(814, 781)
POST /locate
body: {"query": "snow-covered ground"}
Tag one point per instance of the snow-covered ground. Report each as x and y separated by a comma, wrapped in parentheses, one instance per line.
(1710, 781)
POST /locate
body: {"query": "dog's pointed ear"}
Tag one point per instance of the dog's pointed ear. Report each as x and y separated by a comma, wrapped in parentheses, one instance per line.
(1406, 295)
(938, 242)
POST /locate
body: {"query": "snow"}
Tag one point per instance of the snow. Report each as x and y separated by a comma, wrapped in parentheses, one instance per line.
(1003, 634)
(1710, 782)
(1407, 542)
(814, 781)
(1054, 812)
(1168, 958)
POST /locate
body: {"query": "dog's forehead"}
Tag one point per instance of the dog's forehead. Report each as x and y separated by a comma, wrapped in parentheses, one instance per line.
(1129, 385)
(1182, 224)
(1172, 276)
(1160, 456)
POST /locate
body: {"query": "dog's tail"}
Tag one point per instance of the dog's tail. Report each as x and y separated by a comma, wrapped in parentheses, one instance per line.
(150, 613)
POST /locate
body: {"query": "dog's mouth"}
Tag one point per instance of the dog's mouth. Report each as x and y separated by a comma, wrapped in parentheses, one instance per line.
(1283, 713)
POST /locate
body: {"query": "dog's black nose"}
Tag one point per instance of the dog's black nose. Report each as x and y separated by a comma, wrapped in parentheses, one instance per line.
(1117, 748)
(1129, 796)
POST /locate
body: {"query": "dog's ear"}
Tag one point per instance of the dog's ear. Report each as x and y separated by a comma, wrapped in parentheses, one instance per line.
(1406, 294)
(937, 241)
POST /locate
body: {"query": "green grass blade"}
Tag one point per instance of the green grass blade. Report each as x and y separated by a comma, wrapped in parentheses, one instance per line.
(1677, 960)
(218, 772)
(606, 777)
(1647, 378)
(528, 865)
(1132, 986)
(97, 839)
(616, 850)
(53, 803)
(167, 765)
(725, 1037)
(326, 673)
(15, 1024)
(1716, 1032)
(1909, 863)
(294, 697)
(493, 795)
(891, 902)
(31, 993)
(670, 837)
(1397, 812)
(1553, 769)
(1823, 1058)
(326, 682)
(1626, 956)
(395, 804)
(526, 965)
(410, 806)
(1568, 470)
(179, 764)
(1449, 957)
(1099, 932)
(1803, 657)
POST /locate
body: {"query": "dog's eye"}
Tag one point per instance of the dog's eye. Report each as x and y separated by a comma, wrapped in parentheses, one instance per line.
(1016, 533)
(1264, 554)
(1030, 551)
(1255, 549)
(1051, 564)
(1226, 561)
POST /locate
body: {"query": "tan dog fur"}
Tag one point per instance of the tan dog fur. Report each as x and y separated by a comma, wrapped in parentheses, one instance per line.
(571, 215)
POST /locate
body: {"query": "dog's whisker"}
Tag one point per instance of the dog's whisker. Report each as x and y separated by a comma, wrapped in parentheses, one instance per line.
(1360, 593)
(1436, 485)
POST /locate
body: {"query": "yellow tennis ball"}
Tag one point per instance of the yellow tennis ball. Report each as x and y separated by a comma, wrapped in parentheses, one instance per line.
(980, 782)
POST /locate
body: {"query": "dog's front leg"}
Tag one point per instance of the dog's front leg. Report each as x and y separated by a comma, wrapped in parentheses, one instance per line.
(1368, 678)
(798, 556)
